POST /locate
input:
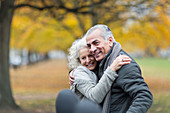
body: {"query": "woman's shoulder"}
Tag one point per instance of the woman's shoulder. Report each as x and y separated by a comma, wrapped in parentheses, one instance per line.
(82, 72)
(82, 69)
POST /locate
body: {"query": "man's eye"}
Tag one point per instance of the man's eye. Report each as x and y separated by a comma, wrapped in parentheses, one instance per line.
(95, 43)
(88, 45)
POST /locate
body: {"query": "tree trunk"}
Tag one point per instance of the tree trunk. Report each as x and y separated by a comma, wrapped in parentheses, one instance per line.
(6, 13)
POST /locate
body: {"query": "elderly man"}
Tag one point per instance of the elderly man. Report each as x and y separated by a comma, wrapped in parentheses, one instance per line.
(129, 93)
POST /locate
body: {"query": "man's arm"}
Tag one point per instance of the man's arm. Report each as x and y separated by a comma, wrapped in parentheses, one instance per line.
(133, 83)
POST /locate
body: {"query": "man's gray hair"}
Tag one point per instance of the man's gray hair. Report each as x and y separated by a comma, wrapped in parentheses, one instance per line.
(105, 31)
(73, 57)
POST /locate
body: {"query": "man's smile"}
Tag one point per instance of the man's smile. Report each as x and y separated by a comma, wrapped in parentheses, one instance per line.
(97, 53)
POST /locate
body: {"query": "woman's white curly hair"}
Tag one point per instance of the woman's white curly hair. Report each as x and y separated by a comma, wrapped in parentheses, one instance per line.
(73, 57)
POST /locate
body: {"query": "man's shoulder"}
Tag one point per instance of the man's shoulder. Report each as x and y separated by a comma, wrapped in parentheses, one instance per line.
(122, 52)
(133, 66)
(133, 62)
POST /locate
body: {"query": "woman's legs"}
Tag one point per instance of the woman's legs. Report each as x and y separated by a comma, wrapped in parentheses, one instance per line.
(66, 101)
(87, 106)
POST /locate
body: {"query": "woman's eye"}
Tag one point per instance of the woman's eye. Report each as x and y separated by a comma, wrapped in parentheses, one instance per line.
(83, 58)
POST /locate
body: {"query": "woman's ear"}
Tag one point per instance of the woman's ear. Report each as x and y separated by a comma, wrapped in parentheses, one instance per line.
(110, 41)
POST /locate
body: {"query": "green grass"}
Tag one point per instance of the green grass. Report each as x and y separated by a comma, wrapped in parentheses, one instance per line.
(41, 105)
(161, 103)
(155, 67)
(157, 72)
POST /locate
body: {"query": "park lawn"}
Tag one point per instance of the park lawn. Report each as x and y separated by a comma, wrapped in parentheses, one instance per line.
(156, 72)
(155, 67)
(35, 87)
(161, 102)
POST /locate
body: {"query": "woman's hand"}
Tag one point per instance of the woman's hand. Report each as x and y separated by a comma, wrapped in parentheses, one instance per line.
(71, 77)
(119, 62)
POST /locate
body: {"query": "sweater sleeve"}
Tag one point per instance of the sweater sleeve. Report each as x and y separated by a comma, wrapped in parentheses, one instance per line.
(92, 90)
(133, 83)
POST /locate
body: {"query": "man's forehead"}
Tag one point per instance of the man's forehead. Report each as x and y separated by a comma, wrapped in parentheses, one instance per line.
(94, 36)
(91, 40)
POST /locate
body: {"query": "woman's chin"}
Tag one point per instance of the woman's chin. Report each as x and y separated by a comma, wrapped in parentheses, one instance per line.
(91, 68)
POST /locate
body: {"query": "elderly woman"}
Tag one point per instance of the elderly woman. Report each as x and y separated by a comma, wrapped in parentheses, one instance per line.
(86, 84)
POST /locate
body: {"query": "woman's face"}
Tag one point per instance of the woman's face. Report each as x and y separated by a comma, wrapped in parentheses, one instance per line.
(86, 59)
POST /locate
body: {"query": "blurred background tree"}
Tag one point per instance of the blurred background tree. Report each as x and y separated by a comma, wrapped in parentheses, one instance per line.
(44, 25)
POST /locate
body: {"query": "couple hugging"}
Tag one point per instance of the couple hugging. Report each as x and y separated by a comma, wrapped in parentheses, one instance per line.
(106, 74)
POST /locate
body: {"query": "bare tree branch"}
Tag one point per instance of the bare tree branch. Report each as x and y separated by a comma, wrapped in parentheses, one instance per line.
(32, 6)
(61, 6)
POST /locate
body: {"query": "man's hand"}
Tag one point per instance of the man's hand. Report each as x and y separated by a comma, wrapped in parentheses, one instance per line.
(71, 77)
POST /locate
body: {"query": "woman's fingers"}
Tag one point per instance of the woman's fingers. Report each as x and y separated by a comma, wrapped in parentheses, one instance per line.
(71, 78)
(124, 58)
(120, 61)
(124, 63)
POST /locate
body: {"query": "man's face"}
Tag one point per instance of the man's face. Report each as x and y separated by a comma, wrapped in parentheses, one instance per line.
(97, 45)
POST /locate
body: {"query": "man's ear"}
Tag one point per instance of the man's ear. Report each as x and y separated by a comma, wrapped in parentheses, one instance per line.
(110, 41)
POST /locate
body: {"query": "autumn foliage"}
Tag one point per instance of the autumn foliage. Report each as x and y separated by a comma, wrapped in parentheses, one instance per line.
(42, 32)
